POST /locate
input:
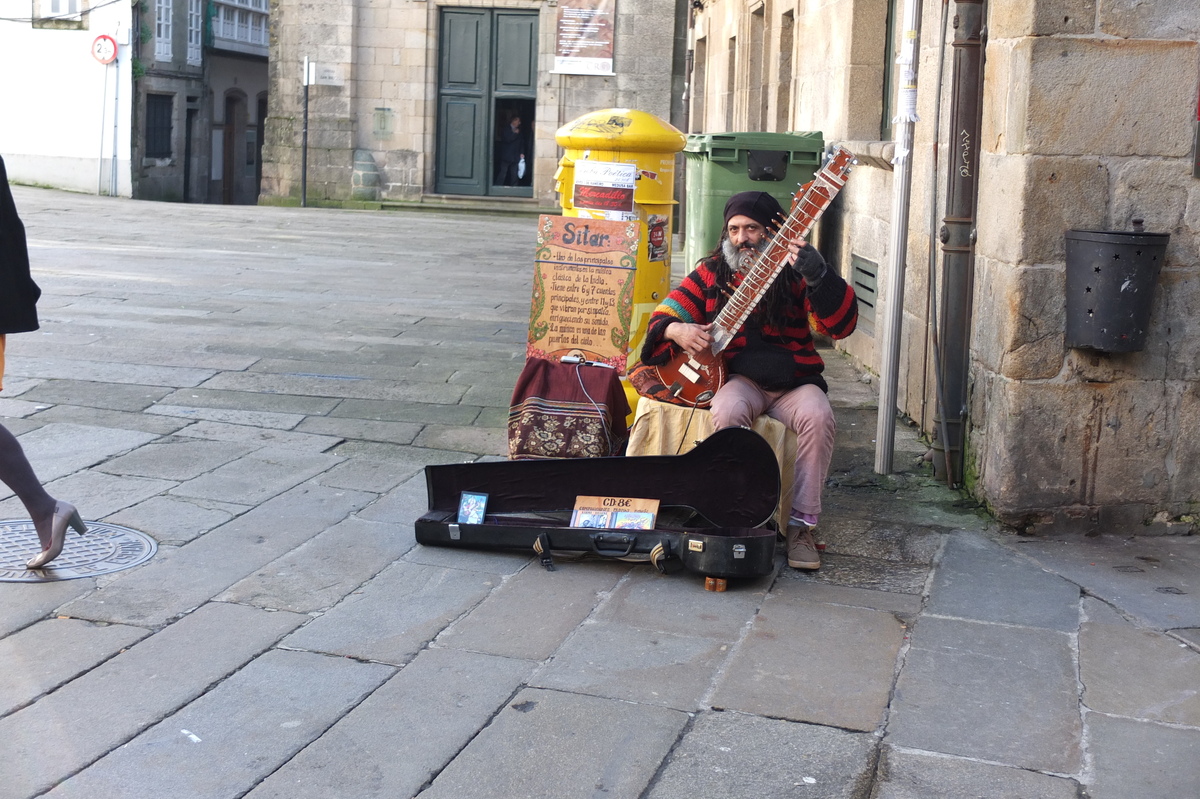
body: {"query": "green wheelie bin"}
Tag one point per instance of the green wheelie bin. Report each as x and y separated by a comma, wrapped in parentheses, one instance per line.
(720, 165)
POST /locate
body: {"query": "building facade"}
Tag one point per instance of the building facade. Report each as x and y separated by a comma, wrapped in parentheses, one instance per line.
(410, 100)
(179, 103)
(1036, 117)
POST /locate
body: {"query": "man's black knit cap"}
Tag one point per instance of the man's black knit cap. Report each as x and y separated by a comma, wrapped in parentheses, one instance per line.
(758, 205)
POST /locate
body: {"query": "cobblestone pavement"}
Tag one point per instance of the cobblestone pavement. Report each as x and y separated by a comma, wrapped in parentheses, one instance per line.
(259, 389)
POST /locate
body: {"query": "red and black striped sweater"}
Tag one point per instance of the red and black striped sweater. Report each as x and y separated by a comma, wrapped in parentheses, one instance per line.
(760, 351)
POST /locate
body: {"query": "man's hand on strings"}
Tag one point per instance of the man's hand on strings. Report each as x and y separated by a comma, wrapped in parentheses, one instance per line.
(693, 339)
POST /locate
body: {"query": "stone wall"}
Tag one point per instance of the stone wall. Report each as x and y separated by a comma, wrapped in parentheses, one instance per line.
(1087, 125)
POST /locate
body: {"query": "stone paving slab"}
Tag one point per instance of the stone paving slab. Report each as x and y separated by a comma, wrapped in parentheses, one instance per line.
(22, 604)
(730, 754)
(478, 440)
(121, 420)
(904, 606)
(678, 603)
(178, 580)
(1127, 572)
(18, 409)
(353, 368)
(404, 504)
(415, 412)
(256, 477)
(474, 560)
(361, 474)
(176, 458)
(361, 429)
(85, 370)
(978, 579)
(624, 662)
(176, 520)
(113, 396)
(130, 352)
(267, 419)
(85, 719)
(999, 693)
(905, 774)
(872, 574)
(1141, 759)
(50, 653)
(396, 614)
(374, 450)
(428, 712)
(546, 743)
(822, 664)
(1139, 673)
(220, 431)
(317, 574)
(62, 449)
(262, 382)
(533, 611)
(95, 494)
(250, 401)
(877, 538)
(231, 738)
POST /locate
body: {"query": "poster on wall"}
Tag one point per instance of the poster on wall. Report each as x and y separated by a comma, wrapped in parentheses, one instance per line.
(583, 289)
(584, 38)
(605, 189)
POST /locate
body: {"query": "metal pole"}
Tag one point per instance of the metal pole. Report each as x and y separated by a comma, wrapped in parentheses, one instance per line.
(906, 118)
(112, 181)
(304, 144)
(100, 158)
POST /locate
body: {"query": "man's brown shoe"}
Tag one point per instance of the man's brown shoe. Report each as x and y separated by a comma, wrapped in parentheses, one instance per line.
(801, 548)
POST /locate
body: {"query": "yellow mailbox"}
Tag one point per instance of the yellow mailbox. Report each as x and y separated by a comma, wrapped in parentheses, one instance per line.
(619, 164)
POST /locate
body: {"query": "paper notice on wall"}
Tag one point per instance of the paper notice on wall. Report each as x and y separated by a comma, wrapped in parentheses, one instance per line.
(606, 189)
(584, 39)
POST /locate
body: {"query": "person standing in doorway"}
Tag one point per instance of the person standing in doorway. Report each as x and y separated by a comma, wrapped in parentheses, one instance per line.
(18, 314)
(510, 153)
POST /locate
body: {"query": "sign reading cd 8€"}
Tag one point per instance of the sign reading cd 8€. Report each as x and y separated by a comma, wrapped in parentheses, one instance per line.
(104, 48)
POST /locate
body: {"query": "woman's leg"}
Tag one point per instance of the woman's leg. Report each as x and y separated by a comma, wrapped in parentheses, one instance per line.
(18, 475)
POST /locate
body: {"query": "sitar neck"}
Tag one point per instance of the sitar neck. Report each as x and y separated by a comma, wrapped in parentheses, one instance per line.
(811, 202)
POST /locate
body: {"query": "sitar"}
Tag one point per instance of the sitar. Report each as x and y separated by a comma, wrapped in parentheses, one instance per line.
(694, 379)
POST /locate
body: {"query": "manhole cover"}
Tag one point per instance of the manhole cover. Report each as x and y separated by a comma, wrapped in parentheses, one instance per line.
(106, 548)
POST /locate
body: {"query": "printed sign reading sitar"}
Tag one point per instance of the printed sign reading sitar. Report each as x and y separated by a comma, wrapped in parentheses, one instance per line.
(583, 289)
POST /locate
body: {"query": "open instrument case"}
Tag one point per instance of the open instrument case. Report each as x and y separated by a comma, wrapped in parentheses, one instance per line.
(715, 517)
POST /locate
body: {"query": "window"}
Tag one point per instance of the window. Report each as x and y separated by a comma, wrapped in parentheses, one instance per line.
(59, 14)
(158, 125)
(195, 36)
(242, 21)
(162, 29)
(783, 97)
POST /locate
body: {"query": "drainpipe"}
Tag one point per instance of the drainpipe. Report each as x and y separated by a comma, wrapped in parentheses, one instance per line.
(958, 236)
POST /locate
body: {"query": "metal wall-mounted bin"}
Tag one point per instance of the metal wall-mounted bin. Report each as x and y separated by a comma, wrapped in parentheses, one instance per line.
(1111, 277)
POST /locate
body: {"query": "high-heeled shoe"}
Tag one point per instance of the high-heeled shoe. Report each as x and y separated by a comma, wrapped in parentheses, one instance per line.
(65, 516)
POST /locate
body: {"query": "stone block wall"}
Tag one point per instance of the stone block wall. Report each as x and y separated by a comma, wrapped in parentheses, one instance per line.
(1088, 115)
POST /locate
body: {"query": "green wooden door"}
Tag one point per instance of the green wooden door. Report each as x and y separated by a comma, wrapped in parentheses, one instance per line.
(487, 73)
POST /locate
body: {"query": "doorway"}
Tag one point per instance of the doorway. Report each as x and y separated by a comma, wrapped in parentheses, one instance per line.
(487, 81)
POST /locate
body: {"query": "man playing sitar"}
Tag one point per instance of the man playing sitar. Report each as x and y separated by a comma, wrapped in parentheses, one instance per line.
(771, 362)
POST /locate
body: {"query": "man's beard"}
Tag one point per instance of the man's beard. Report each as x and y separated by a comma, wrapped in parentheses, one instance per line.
(743, 257)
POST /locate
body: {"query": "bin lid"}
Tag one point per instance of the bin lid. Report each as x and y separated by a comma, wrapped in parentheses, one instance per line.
(1119, 237)
(812, 141)
(620, 129)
